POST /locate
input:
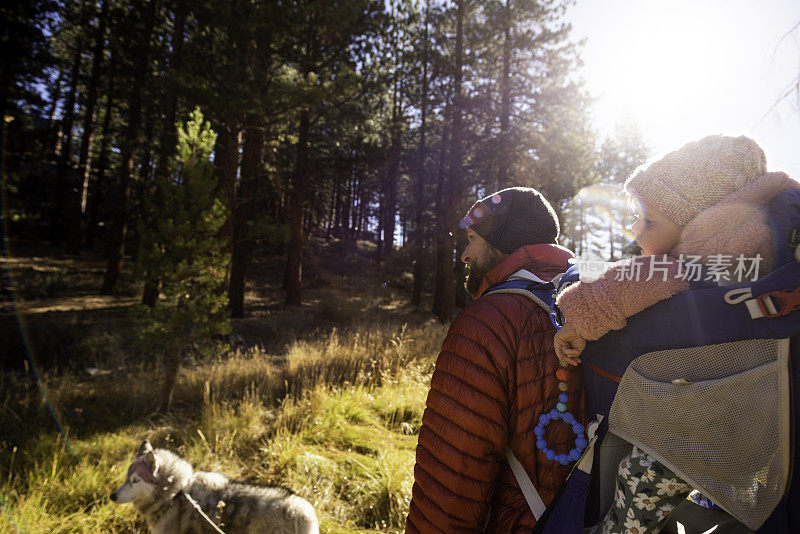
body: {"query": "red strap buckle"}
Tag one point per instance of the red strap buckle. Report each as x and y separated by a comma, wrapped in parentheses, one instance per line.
(778, 303)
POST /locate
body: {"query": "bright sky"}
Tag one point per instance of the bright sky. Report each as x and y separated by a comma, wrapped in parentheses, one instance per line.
(683, 69)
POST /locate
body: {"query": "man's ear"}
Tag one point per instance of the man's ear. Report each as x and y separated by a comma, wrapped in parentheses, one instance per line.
(144, 448)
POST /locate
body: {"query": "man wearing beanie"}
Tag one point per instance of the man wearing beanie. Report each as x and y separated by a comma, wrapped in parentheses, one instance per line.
(494, 377)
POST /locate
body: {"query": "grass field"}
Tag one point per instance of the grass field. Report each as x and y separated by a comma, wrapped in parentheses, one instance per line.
(325, 399)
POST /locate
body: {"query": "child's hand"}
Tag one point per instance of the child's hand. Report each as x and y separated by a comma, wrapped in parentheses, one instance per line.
(569, 344)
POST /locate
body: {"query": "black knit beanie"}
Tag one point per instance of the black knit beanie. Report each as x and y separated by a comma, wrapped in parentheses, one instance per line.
(512, 218)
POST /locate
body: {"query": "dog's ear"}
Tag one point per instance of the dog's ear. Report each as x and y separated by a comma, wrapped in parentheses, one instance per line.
(144, 448)
(151, 461)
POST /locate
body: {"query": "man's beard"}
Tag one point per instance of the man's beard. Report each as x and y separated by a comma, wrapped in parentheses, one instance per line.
(477, 270)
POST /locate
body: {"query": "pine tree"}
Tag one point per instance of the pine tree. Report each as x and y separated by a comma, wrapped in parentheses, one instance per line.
(184, 248)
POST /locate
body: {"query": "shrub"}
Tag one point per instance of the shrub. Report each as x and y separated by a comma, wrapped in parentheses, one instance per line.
(182, 251)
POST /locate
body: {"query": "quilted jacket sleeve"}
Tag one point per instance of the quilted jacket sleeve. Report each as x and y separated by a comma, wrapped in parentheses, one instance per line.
(594, 308)
(464, 426)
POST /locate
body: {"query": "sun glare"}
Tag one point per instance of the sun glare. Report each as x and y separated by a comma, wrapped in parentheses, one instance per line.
(675, 62)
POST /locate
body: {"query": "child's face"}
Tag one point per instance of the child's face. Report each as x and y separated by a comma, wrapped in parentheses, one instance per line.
(655, 233)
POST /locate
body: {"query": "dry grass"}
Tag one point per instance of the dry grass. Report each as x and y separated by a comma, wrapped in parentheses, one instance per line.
(328, 404)
(345, 442)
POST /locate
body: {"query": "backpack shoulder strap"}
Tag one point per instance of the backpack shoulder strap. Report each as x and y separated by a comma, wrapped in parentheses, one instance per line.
(532, 496)
(526, 283)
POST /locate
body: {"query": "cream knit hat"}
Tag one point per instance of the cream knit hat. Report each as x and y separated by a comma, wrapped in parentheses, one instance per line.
(698, 175)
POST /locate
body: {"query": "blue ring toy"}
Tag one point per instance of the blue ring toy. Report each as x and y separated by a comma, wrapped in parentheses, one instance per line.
(560, 413)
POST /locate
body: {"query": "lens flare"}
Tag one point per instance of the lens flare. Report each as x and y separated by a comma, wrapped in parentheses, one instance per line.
(29, 353)
(600, 220)
(30, 358)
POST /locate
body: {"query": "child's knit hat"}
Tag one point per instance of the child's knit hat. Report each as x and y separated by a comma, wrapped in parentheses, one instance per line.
(512, 218)
(698, 175)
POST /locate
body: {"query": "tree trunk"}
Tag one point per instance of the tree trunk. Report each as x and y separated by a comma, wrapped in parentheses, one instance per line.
(582, 233)
(502, 179)
(335, 208)
(454, 183)
(353, 213)
(152, 285)
(294, 260)
(347, 203)
(441, 226)
(4, 104)
(151, 291)
(171, 363)
(459, 272)
(81, 190)
(609, 207)
(64, 159)
(419, 184)
(51, 141)
(390, 213)
(395, 149)
(246, 194)
(381, 221)
(226, 163)
(168, 132)
(145, 167)
(102, 163)
(116, 244)
(355, 225)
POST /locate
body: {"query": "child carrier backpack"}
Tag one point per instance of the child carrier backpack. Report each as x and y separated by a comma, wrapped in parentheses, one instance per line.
(706, 382)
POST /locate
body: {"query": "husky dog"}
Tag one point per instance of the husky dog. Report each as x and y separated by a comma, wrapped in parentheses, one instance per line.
(167, 491)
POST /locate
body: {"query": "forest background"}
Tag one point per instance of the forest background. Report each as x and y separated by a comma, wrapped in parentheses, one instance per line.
(255, 206)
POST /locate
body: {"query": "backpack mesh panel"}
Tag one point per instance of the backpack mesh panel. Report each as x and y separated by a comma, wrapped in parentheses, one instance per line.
(718, 415)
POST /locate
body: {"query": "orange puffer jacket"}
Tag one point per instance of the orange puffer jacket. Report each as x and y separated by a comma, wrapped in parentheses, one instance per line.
(493, 378)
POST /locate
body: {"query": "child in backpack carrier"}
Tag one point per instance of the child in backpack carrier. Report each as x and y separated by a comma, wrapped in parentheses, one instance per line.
(701, 209)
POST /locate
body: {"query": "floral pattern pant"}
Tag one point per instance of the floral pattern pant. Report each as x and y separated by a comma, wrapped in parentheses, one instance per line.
(646, 492)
